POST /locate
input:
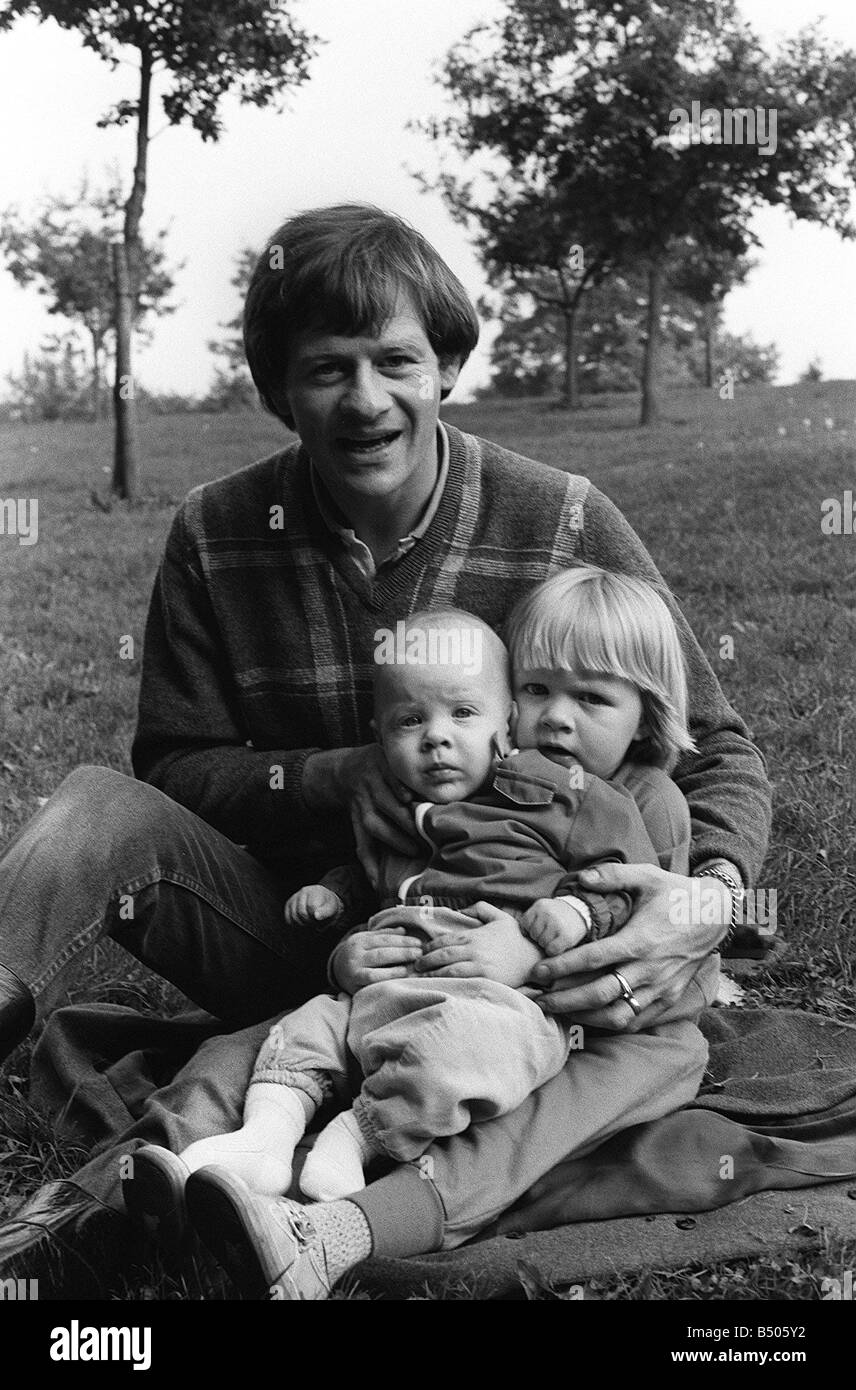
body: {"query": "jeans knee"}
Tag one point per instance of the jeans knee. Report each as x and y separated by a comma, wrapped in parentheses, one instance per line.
(99, 807)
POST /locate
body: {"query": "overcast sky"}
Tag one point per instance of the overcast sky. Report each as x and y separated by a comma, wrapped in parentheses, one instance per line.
(343, 137)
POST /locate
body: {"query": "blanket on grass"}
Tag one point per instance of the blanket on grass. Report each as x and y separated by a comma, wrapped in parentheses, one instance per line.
(777, 1112)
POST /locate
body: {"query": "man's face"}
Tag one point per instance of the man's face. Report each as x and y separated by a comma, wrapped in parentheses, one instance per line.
(366, 408)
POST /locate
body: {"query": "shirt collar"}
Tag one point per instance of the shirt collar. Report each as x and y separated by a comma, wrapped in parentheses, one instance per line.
(358, 550)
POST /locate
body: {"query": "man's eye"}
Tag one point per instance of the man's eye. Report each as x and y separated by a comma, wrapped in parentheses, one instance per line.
(325, 370)
(398, 359)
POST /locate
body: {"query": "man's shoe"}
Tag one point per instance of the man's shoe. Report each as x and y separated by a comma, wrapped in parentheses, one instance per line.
(17, 1012)
(154, 1196)
(66, 1241)
(268, 1246)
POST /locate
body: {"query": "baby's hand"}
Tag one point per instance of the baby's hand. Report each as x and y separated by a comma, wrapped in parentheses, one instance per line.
(554, 925)
(312, 906)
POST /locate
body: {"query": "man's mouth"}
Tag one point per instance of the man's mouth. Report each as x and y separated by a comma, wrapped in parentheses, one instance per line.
(368, 444)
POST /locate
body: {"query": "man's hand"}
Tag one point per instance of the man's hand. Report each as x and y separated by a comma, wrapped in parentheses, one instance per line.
(655, 951)
(497, 950)
(554, 925)
(378, 803)
(369, 957)
(313, 905)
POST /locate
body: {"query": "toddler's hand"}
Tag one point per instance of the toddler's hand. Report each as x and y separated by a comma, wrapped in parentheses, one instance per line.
(554, 925)
(313, 906)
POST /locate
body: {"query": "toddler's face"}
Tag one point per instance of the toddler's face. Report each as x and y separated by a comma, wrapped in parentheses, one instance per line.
(572, 716)
(437, 726)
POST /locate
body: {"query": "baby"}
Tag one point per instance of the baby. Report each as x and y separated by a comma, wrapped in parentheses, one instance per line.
(515, 828)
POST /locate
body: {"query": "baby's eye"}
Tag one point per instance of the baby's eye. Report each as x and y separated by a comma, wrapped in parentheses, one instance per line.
(409, 721)
(464, 712)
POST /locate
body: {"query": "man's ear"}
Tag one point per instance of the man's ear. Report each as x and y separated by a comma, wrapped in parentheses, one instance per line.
(450, 370)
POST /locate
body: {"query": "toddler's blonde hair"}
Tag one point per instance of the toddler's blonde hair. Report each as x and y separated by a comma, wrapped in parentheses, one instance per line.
(609, 625)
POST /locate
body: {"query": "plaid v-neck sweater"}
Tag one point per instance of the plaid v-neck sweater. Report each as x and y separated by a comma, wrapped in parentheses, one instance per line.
(260, 639)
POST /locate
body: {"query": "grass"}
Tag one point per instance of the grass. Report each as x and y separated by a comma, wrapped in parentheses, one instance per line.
(727, 496)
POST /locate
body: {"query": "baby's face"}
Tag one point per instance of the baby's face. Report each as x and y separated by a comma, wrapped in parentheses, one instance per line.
(437, 726)
(573, 716)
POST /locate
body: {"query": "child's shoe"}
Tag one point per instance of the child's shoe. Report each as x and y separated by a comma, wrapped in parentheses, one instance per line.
(153, 1193)
(269, 1247)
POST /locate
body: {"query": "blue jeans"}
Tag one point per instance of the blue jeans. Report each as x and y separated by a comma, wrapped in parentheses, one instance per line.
(110, 856)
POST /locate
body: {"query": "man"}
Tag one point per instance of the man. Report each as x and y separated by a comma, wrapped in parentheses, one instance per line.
(253, 746)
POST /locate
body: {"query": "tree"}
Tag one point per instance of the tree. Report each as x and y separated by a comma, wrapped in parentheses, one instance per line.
(65, 252)
(707, 278)
(581, 100)
(53, 383)
(233, 386)
(203, 49)
(527, 356)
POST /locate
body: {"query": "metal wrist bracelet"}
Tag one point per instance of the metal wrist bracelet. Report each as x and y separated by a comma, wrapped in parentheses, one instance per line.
(737, 891)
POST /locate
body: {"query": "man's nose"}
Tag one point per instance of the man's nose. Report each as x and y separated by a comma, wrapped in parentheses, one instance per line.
(366, 394)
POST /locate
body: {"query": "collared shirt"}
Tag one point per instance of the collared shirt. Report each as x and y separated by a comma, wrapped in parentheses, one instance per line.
(357, 549)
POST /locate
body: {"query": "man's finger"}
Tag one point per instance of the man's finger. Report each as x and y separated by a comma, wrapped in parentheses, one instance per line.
(602, 955)
(618, 876)
(554, 968)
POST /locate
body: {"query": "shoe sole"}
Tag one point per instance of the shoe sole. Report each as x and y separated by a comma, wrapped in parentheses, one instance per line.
(223, 1212)
(154, 1196)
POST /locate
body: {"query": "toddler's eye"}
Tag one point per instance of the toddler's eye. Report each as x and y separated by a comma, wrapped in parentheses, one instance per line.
(534, 688)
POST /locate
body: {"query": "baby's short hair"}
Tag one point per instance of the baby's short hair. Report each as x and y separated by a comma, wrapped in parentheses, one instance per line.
(612, 625)
(342, 269)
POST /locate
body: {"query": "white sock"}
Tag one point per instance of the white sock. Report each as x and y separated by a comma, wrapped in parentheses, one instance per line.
(261, 1151)
(334, 1167)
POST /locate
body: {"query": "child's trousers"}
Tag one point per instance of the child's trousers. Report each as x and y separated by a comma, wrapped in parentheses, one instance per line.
(437, 1055)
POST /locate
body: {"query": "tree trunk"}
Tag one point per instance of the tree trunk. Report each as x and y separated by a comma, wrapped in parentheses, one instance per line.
(126, 450)
(571, 392)
(96, 376)
(126, 268)
(709, 342)
(650, 366)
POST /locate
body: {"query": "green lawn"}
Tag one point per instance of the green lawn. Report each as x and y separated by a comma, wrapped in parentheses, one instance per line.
(727, 496)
